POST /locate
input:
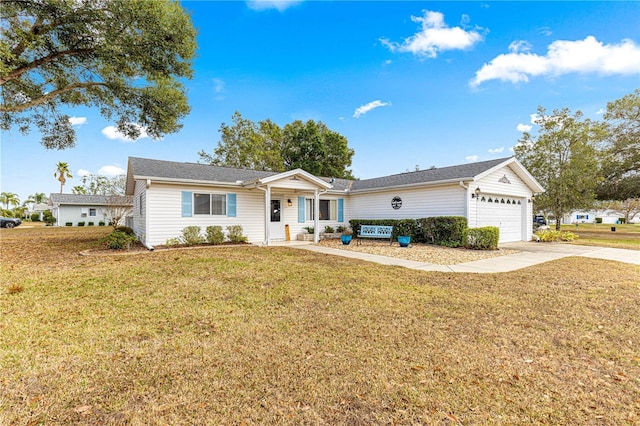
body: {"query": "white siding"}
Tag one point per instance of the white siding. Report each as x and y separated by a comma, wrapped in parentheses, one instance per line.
(165, 221)
(140, 210)
(73, 214)
(416, 203)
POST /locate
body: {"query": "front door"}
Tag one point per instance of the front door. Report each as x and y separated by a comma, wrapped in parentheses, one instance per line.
(276, 225)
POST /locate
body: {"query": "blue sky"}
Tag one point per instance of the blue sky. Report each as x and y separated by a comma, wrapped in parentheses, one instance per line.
(408, 83)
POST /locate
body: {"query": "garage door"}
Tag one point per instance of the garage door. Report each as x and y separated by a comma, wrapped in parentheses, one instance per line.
(503, 212)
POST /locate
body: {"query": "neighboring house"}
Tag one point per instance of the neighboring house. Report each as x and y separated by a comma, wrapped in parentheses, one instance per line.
(74, 208)
(39, 208)
(580, 216)
(169, 196)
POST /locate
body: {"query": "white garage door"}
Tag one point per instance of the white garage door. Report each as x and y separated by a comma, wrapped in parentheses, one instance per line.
(503, 212)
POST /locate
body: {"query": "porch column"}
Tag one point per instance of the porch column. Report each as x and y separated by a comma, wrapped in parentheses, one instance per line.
(267, 215)
(316, 218)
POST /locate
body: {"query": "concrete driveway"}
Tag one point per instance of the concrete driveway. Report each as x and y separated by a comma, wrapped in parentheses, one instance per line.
(531, 253)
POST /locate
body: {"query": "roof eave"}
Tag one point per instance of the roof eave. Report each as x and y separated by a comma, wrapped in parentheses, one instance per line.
(412, 185)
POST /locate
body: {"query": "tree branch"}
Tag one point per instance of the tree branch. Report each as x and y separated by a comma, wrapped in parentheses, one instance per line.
(50, 95)
(35, 64)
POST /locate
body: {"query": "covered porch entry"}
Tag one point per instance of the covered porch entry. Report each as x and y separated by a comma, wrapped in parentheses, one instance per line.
(280, 191)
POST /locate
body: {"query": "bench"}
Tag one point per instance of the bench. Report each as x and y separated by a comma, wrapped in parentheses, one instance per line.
(375, 231)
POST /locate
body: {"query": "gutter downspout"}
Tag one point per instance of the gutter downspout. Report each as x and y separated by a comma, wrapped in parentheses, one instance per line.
(466, 203)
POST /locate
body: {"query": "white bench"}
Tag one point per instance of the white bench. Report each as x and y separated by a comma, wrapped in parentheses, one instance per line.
(375, 231)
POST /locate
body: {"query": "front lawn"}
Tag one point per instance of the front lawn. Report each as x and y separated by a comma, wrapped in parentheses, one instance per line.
(625, 236)
(254, 335)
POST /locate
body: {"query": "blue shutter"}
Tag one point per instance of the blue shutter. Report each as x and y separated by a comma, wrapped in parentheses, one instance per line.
(340, 209)
(231, 205)
(187, 201)
(301, 202)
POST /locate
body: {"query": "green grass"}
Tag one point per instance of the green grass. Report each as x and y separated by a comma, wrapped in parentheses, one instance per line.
(626, 236)
(254, 335)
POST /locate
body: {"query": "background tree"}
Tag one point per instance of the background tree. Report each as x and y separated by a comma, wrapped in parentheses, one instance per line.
(629, 207)
(621, 157)
(101, 185)
(37, 198)
(564, 159)
(316, 149)
(117, 208)
(79, 190)
(247, 145)
(7, 198)
(265, 146)
(62, 173)
(125, 57)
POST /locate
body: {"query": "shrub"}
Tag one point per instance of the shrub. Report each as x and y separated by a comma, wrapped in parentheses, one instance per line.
(68, 224)
(340, 229)
(101, 223)
(444, 230)
(191, 235)
(328, 229)
(550, 235)
(215, 235)
(90, 224)
(485, 238)
(310, 229)
(598, 220)
(235, 234)
(172, 242)
(80, 223)
(118, 240)
(35, 217)
(47, 216)
(125, 229)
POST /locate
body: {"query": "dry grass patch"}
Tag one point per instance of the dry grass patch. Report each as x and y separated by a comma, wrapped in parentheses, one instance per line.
(279, 336)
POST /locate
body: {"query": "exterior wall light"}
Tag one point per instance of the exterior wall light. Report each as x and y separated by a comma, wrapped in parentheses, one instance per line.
(289, 203)
(476, 193)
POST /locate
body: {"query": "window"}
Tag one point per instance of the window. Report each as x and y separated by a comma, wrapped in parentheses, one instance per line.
(92, 212)
(84, 211)
(328, 209)
(212, 204)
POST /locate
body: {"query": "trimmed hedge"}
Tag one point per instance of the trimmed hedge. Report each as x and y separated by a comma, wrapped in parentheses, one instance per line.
(485, 238)
(441, 230)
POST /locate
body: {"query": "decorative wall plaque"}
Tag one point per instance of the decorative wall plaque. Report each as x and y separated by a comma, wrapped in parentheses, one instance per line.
(396, 203)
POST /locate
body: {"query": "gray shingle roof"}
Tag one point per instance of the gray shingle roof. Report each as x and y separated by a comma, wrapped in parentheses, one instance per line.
(89, 200)
(440, 174)
(148, 168)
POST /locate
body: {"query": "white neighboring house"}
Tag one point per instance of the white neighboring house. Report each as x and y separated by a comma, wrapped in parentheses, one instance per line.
(169, 196)
(580, 216)
(74, 208)
(39, 208)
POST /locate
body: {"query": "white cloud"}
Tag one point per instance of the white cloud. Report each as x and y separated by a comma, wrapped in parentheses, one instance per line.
(601, 111)
(519, 46)
(362, 110)
(77, 121)
(496, 150)
(524, 127)
(534, 118)
(546, 31)
(563, 57)
(110, 171)
(218, 85)
(471, 158)
(112, 133)
(279, 5)
(435, 36)
(83, 173)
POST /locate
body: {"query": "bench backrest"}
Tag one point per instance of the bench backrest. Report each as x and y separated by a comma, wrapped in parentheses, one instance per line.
(376, 231)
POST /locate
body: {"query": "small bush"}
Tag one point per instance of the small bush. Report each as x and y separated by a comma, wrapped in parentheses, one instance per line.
(310, 229)
(191, 235)
(340, 229)
(598, 220)
(329, 229)
(485, 238)
(125, 229)
(172, 242)
(90, 224)
(35, 217)
(215, 235)
(80, 223)
(118, 240)
(551, 235)
(68, 224)
(235, 234)
(47, 216)
(101, 223)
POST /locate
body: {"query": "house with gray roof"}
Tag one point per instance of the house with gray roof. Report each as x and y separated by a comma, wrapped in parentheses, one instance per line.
(270, 206)
(72, 209)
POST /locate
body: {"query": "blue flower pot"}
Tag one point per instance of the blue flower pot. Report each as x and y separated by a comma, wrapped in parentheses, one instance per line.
(404, 241)
(346, 239)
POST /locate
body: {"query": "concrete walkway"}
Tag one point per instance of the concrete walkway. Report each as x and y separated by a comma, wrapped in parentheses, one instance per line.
(531, 253)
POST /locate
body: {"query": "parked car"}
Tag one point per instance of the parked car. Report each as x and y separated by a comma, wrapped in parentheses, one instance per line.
(539, 220)
(9, 222)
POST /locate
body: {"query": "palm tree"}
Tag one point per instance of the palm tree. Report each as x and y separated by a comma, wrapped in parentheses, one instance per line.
(7, 198)
(62, 173)
(36, 198)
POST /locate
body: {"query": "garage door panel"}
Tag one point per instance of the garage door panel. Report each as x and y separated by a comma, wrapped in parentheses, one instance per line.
(504, 213)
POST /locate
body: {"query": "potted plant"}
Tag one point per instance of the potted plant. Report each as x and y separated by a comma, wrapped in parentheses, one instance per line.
(404, 240)
(347, 235)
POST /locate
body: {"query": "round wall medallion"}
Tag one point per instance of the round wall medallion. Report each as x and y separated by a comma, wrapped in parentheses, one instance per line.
(396, 203)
